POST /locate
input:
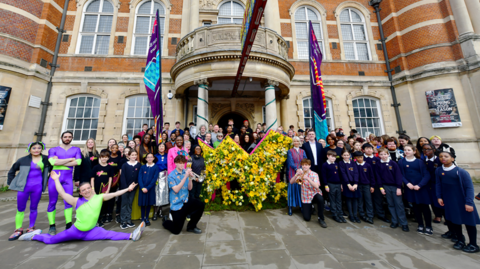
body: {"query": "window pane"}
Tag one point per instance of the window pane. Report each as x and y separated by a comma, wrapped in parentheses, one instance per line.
(130, 123)
(363, 123)
(369, 112)
(306, 112)
(81, 101)
(90, 23)
(300, 14)
(139, 101)
(357, 123)
(93, 134)
(359, 32)
(71, 112)
(87, 113)
(224, 20)
(87, 44)
(94, 6)
(78, 124)
(86, 124)
(225, 9)
(349, 51)
(302, 50)
(89, 101)
(356, 112)
(77, 135)
(238, 10)
(355, 16)
(363, 114)
(362, 51)
(237, 21)
(131, 112)
(347, 32)
(344, 16)
(137, 124)
(311, 15)
(145, 8)
(360, 102)
(374, 112)
(107, 7)
(142, 26)
(355, 103)
(85, 134)
(105, 25)
(70, 124)
(157, 6)
(141, 43)
(96, 102)
(95, 112)
(162, 25)
(306, 103)
(138, 112)
(301, 30)
(369, 122)
(367, 102)
(317, 30)
(102, 44)
(79, 113)
(94, 124)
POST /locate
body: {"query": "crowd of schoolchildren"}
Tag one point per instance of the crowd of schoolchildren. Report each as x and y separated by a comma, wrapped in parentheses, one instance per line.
(363, 173)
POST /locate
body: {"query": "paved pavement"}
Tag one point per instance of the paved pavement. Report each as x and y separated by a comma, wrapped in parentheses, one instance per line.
(268, 239)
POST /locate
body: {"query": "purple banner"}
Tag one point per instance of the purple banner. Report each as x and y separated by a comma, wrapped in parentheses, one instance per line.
(153, 77)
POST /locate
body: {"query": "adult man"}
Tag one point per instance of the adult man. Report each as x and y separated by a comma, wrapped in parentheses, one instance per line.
(144, 129)
(208, 139)
(214, 133)
(166, 128)
(88, 209)
(63, 158)
(264, 127)
(247, 127)
(234, 130)
(290, 133)
(291, 127)
(313, 151)
(210, 128)
(301, 132)
(177, 127)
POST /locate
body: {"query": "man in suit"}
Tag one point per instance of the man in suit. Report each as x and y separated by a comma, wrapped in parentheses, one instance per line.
(313, 151)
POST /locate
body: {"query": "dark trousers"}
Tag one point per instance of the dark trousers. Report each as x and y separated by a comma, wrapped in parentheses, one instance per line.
(194, 208)
(145, 212)
(365, 206)
(377, 198)
(335, 195)
(395, 205)
(196, 190)
(471, 230)
(352, 205)
(126, 212)
(439, 212)
(111, 203)
(307, 207)
(422, 212)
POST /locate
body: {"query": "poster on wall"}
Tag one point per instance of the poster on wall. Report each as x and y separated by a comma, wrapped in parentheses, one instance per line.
(443, 109)
(4, 97)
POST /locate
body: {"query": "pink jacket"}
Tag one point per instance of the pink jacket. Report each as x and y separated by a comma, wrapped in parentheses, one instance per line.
(172, 153)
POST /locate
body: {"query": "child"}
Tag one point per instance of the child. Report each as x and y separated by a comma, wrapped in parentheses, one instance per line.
(433, 162)
(349, 175)
(415, 178)
(390, 183)
(455, 192)
(366, 181)
(147, 179)
(180, 204)
(357, 146)
(130, 175)
(101, 179)
(377, 196)
(333, 186)
(310, 191)
(114, 161)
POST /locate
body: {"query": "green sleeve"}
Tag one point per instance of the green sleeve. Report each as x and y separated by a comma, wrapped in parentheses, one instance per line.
(79, 161)
(52, 161)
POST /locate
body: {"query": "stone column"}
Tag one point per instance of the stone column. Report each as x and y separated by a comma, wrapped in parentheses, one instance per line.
(473, 7)
(271, 105)
(462, 18)
(202, 103)
(272, 16)
(185, 18)
(284, 111)
(194, 14)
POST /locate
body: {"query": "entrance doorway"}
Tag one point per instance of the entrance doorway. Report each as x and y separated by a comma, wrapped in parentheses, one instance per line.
(237, 120)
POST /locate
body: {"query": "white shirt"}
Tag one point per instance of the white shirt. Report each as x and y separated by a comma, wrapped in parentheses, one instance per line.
(150, 165)
(297, 149)
(330, 162)
(313, 146)
(448, 168)
(432, 159)
(366, 156)
(361, 164)
(410, 160)
(135, 163)
(346, 161)
(384, 161)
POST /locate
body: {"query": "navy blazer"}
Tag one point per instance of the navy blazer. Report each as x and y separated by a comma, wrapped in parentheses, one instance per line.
(308, 151)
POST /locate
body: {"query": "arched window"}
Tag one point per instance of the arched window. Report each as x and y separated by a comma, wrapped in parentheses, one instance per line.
(144, 19)
(96, 28)
(137, 113)
(354, 34)
(302, 16)
(367, 114)
(308, 114)
(81, 117)
(231, 12)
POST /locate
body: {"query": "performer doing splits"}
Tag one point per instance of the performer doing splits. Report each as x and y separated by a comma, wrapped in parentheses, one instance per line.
(29, 182)
(87, 210)
(63, 158)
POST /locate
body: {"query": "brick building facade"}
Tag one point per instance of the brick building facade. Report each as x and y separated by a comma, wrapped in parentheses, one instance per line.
(432, 44)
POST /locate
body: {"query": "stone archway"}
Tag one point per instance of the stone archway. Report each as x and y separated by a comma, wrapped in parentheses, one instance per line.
(243, 110)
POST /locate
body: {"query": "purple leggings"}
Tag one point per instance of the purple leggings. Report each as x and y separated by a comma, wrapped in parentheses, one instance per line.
(34, 191)
(67, 184)
(73, 233)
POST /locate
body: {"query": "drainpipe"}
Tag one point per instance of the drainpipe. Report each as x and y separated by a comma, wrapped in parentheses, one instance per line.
(376, 5)
(40, 134)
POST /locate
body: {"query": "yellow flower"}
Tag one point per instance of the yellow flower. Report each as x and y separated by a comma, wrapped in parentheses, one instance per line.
(206, 201)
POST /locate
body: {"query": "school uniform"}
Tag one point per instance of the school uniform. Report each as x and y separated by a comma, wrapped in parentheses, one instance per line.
(454, 185)
(331, 176)
(366, 180)
(377, 196)
(129, 175)
(147, 178)
(390, 179)
(349, 175)
(432, 165)
(101, 175)
(415, 172)
(115, 162)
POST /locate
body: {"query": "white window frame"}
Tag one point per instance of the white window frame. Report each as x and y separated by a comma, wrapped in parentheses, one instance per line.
(149, 32)
(231, 17)
(125, 114)
(379, 111)
(96, 33)
(354, 42)
(194, 114)
(329, 117)
(67, 110)
(321, 38)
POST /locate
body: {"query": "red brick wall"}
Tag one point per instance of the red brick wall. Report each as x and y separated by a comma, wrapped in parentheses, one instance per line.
(342, 69)
(175, 26)
(17, 26)
(69, 22)
(177, 6)
(33, 7)
(122, 24)
(286, 29)
(46, 37)
(15, 49)
(64, 45)
(119, 48)
(110, 64)
(51, 14)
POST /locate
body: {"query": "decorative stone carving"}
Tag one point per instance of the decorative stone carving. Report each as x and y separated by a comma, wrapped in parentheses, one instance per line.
(271, 82)
(202, 81)
(224, 35)
(216, 107)
(247, 107)
(207, 4)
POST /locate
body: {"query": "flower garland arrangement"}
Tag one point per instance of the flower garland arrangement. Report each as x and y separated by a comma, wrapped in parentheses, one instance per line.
(256, 173)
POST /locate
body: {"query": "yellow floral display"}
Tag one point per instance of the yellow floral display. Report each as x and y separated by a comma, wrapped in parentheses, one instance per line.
(256, 173)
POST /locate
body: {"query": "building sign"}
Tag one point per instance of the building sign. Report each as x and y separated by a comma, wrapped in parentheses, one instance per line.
(443, 109)
(4, 97)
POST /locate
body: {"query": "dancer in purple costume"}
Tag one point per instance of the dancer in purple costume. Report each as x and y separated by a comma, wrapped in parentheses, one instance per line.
(87, 210)
(63, 158)
(30, 182)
